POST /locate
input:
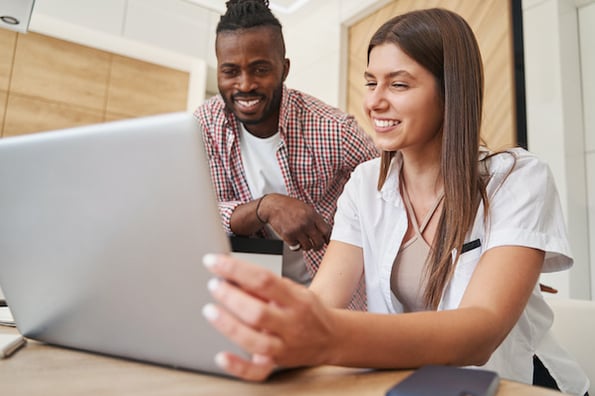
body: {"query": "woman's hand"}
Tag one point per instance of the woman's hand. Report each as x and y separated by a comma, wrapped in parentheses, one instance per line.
(280, 323)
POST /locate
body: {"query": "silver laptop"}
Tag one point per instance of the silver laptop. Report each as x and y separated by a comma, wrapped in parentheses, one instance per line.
(102, 232)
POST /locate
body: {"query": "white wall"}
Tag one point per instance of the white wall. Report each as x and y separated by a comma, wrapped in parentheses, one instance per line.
(312, 42)
(316, 44)
(587, 33)
(555, 123)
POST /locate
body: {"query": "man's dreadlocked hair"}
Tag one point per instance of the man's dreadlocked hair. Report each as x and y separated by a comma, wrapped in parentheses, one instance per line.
(245, 14)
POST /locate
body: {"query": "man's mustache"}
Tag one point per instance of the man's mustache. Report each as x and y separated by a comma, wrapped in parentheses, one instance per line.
(246, 95)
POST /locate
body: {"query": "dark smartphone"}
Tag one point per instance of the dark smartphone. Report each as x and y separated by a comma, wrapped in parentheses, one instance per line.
(437, 380)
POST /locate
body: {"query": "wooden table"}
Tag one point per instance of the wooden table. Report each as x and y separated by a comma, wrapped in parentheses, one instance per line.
(39, 369)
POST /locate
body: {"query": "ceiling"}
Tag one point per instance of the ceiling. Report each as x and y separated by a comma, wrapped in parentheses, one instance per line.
(280, 6)
(15, 14)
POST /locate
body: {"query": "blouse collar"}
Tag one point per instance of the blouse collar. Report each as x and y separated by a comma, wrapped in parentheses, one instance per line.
(390, 191)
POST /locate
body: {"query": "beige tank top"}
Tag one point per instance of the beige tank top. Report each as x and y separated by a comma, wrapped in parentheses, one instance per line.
(406, 280)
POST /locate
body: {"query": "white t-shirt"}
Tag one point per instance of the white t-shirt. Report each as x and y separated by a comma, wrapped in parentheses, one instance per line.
(524, 211)
(259, 157)
(263, 174)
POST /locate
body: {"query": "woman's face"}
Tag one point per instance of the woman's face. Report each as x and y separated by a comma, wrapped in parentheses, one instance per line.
(402, 101)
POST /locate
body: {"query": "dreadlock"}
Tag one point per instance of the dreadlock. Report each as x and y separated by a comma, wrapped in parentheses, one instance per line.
(244, 14)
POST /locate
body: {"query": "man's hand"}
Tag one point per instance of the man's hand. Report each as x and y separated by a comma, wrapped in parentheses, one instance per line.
(294, 221)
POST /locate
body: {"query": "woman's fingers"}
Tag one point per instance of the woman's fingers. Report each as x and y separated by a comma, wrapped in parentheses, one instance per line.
(257, 369)
(249, 309)
(255, 342)
(265, 315)
(251, 278)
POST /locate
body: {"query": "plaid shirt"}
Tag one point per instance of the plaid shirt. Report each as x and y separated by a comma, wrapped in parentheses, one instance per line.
(320, 146)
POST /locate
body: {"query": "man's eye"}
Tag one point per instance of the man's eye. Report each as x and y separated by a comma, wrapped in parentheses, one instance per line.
(371, 84)
(228, 72)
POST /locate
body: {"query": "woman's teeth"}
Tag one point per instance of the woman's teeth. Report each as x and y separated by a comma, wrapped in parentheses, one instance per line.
(385, 123)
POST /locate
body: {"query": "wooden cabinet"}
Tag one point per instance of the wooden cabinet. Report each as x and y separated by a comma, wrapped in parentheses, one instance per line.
(48, 83)
(139, 88)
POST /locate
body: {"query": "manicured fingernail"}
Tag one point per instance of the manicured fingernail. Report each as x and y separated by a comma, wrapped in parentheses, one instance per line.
(210, 312)
(213, 284)
(221, 360)
(209, 260)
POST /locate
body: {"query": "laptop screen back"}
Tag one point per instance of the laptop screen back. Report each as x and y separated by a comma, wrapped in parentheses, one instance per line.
(102, 232)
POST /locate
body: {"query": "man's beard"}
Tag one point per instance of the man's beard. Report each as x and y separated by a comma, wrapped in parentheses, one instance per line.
(271, 108)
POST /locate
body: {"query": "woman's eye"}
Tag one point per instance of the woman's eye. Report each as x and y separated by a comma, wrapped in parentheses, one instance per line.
(400, 85)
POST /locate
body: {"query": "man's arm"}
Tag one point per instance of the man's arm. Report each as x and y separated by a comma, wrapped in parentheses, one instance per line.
(208, 115)
(245, 218)
(293, 220)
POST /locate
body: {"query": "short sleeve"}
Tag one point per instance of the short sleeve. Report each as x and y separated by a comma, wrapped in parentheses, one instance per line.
(347, 227)
(525, 208)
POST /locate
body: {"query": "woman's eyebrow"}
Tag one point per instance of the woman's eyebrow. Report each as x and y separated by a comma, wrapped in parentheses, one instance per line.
(397, 73)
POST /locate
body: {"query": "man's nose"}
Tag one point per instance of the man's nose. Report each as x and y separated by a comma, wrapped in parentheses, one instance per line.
(246, 82)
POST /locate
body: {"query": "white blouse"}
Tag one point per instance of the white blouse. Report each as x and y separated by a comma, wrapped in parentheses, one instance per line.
(524, 211)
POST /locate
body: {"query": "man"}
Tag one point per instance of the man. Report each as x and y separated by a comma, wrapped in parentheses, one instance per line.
(279, 158)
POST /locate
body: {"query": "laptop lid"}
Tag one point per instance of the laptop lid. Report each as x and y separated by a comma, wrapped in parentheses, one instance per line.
(102, 232)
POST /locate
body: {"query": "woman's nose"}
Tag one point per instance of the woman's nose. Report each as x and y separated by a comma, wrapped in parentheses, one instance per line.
(375, 99)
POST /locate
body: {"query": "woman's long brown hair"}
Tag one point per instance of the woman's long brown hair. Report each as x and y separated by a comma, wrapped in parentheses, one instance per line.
(443, 43)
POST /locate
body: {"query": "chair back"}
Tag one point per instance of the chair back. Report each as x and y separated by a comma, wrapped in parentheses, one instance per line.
(574, 328)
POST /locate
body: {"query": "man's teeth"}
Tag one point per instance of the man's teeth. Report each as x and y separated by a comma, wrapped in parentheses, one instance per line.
(248, 103)
(385, 123)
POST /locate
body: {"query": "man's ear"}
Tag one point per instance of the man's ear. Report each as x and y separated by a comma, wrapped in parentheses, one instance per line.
(286, 65)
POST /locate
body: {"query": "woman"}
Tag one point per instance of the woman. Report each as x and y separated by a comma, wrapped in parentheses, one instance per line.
(447, 234)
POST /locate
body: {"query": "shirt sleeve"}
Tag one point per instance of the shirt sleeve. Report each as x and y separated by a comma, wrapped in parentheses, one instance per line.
(226, 199)
(357, 145)
(347, 227)
(525, 208)
(357, 148)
